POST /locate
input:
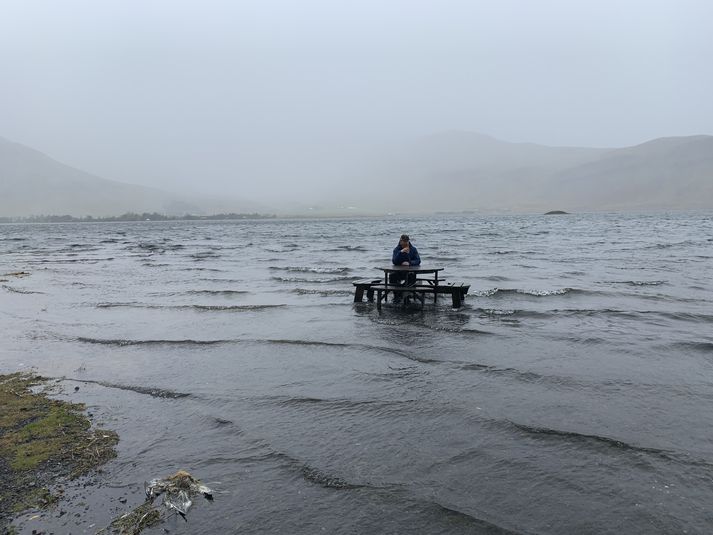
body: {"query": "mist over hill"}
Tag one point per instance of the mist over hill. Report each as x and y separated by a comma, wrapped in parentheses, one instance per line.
(32, 183)
(449, 171)
(466, 171)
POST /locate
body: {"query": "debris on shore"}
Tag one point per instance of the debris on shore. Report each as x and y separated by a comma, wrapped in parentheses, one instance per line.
(177, 491)
(43, 441)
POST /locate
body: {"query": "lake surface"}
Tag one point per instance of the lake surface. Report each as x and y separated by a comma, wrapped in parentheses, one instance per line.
(572, 393)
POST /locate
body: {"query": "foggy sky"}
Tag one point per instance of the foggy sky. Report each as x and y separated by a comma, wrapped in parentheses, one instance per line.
(245, 97)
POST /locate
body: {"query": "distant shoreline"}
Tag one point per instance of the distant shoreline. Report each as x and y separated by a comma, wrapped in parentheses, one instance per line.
(131, 216)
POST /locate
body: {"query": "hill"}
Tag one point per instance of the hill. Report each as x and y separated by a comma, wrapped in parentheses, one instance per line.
(467, 171)
(666, 173)
(450, 171)
(32, 183)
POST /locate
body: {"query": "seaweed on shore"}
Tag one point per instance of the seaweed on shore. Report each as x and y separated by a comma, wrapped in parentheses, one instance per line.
(134, 522)
(42, 442)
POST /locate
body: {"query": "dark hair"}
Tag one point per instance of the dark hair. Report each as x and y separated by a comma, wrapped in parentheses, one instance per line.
(404, 237)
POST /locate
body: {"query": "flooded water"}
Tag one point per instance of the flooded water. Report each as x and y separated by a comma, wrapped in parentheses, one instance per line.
(572, 393)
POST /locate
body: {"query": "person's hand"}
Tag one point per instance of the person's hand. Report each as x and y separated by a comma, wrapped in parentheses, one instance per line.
(405, 264)
(405, 250)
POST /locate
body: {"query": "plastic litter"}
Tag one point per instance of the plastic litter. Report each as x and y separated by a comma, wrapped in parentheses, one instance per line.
(177, 491)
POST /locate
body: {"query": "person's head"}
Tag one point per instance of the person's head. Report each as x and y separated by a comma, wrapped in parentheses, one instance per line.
(404, 240)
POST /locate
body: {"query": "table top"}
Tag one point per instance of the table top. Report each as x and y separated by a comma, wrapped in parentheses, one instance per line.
(412, 269)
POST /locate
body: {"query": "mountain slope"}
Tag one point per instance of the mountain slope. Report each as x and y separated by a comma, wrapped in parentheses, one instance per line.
(449, 171)
(663, 173)
(32, 183)
(467, 171)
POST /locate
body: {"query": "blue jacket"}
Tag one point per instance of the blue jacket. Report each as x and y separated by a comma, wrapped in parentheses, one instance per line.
(412, 257)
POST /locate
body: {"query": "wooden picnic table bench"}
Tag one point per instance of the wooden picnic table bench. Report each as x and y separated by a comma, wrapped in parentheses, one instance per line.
(416, 290)
(364, 286)
(419, 291)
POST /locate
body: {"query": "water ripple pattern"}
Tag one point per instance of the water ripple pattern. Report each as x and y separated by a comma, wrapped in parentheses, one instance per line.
(572, 393)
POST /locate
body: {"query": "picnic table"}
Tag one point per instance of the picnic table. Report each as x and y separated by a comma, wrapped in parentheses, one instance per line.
(418, 288)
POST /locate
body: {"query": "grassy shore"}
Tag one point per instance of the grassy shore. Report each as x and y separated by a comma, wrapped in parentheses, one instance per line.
(43, 442)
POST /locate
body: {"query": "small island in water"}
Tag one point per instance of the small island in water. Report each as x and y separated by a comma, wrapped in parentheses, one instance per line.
(556, 212)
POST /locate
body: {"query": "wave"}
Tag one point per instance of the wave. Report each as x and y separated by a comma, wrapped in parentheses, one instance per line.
(496, 278)
(323, 293)
(381, 349)
(215, 292)
(326, 480)
(345, 404)
(671, 245)
(206, 255)
(331, 481)
(555, 313)
(705, 347)
(64, 261)
(684, 316)
(634, 314)
(221, 422)
(546, 432)
(19, 290)
(449, 259)
(231, 308)
(458, 330)
(556, 381)
(125, 342)
(325, 270)
(640, 283)
(155, 247)
(202, 308)
(222, 281)
(523, 376)
(203, 269)
(288, 341)
(323, 280)
(18, 274)
(492, 292)
(129, 342)
(149, 391)
(318, 476)
(495, 312)
(407, 372)
(346, 248)
(484, 525)
(120, 305)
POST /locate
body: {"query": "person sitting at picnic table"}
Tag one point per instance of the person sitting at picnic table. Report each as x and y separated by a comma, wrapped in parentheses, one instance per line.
(405, 254)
